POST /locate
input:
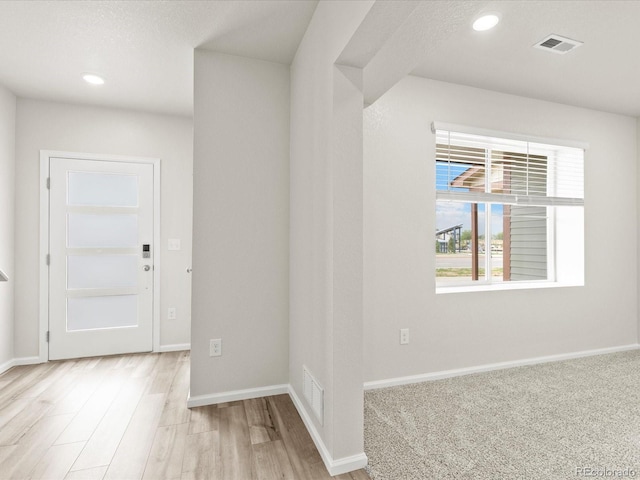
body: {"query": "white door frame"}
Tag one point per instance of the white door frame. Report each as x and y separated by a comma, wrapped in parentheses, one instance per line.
(45, 156)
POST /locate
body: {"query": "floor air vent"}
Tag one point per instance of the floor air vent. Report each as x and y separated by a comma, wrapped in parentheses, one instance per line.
(557, 44)
(314, 394)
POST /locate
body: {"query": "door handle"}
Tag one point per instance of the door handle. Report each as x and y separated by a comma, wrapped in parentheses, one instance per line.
(147, 268)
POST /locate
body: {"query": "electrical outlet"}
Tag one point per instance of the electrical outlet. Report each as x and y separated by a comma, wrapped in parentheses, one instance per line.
(404, 336)
(171, 313)
(215, 347)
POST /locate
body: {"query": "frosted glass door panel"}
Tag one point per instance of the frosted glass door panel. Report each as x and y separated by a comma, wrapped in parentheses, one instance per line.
(103, 189)
(91, 313)
(102, 231)
(101, 286)
(102, 271)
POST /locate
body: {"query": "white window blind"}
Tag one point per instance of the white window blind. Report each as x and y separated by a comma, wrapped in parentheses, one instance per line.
(512, 171)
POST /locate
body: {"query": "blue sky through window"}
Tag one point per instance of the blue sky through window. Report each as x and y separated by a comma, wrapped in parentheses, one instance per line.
(449, 213)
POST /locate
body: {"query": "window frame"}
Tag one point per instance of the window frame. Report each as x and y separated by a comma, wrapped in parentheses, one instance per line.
(486, 284)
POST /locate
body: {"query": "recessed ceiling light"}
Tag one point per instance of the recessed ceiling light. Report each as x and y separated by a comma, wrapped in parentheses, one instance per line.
(93, 79)
(486, 22)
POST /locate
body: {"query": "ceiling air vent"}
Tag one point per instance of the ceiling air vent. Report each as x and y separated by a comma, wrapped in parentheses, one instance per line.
(557, 44)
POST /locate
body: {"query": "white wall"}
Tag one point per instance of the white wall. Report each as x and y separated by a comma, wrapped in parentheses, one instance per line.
(7, 222)
(451, 331)
(241, 223)
(326, 231)
(56, 126)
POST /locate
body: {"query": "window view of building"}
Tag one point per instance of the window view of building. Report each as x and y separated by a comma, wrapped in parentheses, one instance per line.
(496, 203)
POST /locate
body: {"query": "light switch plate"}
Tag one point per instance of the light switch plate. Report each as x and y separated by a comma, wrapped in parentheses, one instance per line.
(174, 244)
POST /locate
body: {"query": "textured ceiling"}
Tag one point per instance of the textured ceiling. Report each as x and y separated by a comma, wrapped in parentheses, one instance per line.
(603, 74)
(144, 49)
(434, 39)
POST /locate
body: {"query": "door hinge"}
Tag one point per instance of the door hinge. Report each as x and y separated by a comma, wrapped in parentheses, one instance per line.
(48, 259)
(48, 183)
(47, 336)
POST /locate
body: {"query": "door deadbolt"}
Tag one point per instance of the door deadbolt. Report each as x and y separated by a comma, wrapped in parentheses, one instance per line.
(147, 268)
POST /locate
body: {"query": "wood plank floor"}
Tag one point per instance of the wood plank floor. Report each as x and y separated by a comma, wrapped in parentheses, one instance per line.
(125, 417)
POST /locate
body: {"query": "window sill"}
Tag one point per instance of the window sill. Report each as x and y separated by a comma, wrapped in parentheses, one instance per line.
(489, 287)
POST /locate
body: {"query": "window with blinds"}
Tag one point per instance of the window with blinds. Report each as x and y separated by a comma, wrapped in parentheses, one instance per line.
(497, 199)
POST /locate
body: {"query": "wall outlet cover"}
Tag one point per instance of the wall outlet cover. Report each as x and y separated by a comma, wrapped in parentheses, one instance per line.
(404, 336)
(215, 347)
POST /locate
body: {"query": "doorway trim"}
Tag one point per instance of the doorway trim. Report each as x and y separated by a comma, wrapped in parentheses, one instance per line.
(43, 305)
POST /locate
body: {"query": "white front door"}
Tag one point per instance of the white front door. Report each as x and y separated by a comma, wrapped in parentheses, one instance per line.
(101, 258)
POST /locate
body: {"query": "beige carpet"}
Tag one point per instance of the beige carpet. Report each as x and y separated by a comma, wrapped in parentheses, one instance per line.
(562, 420)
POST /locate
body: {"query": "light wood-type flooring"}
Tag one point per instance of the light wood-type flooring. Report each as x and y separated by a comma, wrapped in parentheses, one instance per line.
(125, 417)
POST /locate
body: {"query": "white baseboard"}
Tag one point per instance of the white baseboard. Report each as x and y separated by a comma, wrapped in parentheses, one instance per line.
(15, 362)
(215, 398)
(334, 467)
(27, 361)
(177, 347)
(393, 382)
(7, 365)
